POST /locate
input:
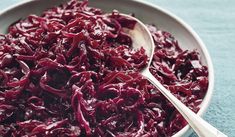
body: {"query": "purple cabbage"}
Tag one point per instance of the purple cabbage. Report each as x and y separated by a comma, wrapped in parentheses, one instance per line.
(72, 72)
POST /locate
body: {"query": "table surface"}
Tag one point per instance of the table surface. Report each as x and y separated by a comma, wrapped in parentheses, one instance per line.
(214, 21)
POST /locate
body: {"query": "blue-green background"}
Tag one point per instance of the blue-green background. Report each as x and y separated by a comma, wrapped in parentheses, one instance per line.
(214, 21)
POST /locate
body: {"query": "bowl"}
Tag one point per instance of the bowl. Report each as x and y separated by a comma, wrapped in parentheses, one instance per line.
(146, 12)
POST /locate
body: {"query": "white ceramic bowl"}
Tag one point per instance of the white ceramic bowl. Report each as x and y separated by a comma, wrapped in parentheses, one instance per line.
(146, 12)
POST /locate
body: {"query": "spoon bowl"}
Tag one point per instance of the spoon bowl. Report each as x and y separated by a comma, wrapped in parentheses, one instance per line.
(141, 37)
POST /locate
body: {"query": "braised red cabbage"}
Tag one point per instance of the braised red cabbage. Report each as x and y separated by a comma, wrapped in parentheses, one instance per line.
(72, 72)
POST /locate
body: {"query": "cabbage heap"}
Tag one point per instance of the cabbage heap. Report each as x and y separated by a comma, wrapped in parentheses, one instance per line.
(72, 72)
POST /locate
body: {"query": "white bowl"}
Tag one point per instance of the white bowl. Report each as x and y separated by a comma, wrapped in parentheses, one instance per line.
(146, 12)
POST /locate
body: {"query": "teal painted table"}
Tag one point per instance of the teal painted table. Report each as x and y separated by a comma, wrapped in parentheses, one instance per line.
(214, 21)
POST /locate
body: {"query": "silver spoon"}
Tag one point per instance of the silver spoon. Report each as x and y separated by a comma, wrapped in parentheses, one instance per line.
(141, 36)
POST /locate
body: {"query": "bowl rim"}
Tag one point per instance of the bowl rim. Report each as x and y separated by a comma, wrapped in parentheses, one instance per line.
(207, 99)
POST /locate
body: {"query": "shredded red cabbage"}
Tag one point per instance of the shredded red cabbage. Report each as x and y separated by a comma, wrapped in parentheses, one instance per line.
(72, 72)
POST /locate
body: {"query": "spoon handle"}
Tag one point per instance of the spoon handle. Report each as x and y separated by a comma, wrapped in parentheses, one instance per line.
(200, 126)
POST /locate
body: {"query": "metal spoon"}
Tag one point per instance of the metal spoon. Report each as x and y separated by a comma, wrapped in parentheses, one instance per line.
(141, 36)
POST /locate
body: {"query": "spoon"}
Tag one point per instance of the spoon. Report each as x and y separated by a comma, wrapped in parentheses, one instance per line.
(141, 36)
